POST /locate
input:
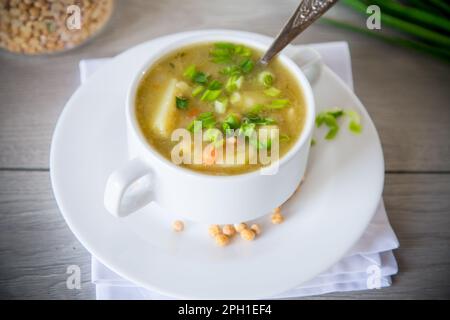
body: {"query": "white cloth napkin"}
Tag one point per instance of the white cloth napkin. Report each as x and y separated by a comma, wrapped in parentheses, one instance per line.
(349, 274)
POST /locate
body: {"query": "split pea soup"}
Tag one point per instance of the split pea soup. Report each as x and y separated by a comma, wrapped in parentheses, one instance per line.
(220, 89)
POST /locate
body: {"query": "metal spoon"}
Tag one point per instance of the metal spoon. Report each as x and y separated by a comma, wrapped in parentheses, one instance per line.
(307, 12)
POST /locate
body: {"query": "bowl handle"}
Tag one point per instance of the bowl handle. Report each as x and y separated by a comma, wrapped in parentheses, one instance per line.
(129, 188)
(308, 59)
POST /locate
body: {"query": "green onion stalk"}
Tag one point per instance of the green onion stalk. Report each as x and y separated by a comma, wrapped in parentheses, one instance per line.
(424, 24)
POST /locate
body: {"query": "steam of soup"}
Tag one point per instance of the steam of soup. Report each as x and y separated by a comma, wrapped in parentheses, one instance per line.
(218, 89)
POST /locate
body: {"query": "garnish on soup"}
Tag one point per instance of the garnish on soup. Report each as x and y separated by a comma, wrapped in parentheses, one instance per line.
(219, 90)
(330, 119)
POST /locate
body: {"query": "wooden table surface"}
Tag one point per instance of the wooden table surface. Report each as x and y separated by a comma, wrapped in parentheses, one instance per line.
(407, 95)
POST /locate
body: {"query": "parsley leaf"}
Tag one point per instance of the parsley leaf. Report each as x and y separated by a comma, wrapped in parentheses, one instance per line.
(182, 103)
(200, 78)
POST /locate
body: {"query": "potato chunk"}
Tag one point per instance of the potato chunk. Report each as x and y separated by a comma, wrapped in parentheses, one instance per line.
(163, 120)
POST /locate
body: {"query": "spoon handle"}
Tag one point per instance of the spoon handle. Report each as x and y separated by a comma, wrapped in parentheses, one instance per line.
(307, 12)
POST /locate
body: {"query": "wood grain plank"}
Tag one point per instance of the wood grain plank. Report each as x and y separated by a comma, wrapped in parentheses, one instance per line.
(36, 246)
(406, 93)
(418, 207)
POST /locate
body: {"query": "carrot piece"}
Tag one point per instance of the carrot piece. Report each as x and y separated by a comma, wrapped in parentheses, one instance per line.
(209, 155)
(193, 112)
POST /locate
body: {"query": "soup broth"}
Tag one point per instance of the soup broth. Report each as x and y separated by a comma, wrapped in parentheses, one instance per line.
(220, 86)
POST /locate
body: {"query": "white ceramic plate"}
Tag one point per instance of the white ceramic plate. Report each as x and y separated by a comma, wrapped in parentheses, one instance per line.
(336, 203)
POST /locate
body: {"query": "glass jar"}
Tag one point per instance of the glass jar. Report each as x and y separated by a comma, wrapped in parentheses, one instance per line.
(48, 26)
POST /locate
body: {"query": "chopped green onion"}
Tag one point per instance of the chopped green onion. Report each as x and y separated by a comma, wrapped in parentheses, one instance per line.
(235, 97)
(226, 127)
(278, 104)
(197, 90)
(191, 126)
(355, 122)
(210, 95)
(244, 67)
(266, 78)
(234, 83)
(220, 105)
(230, 70)
(272, 92)
(194, 126)
(225, 52)
(313, 142)
(257, 119)
(336, 112)
(355, 127)
(242, 51)
(319, 120)
(257, 108)
(333, 126)
(182, 103)
(247, 66)
(215, 85)
(212, 135)
(205, 115)
(224, 45)
(220, 56)
(329, 118)
(332, 133)
(222, 52)
(231, 122)
(206, 119)
(196, 76)
(264, 144)
(190, 72)
(247, 129)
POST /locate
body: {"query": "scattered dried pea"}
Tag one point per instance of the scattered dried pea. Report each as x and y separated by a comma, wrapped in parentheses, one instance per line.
(222, 239)
(248, 234)
(241, 226)
(178, 226)
(277, 218)
(214, 230)
(229, 230)
(256, 228)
